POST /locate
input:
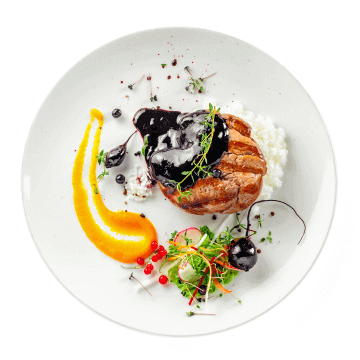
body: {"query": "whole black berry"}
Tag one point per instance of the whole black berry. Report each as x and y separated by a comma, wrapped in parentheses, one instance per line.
(116, 113)
(242, 254)
(120, 178)
(202, 289)
(216, 173)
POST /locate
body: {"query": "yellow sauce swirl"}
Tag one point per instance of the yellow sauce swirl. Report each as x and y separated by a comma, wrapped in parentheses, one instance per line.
(120, 222)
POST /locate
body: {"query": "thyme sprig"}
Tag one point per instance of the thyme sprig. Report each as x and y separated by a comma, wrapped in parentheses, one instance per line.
(199, 162)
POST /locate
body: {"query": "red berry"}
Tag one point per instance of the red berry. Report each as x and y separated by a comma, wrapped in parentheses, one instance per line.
(163, 252)
(158, 255)
(150, 266)
(163, 279)
(154, 258)
(154, 245)
(160, 248)
(147, 271)
(140, 261)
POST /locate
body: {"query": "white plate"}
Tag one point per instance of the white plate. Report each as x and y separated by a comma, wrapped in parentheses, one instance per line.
(244, 74)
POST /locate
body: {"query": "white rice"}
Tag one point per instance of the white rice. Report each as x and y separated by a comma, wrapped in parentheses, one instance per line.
(271, 141)
(138, 185)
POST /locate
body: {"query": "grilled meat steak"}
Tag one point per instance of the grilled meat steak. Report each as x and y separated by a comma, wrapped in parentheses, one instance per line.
(173, 143)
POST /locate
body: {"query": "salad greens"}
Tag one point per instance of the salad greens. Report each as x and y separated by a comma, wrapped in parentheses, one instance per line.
(212, 252)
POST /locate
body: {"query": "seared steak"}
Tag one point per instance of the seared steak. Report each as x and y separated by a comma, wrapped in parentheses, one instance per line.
(242, 167)
(172, 144)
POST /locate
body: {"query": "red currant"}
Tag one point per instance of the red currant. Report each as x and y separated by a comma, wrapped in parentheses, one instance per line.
(154, 258)
(163, 252)
(154, 245)
(158, 255)
(140, 261)
(160, 248)
(147, 271)
(163, 279)
(150, 266)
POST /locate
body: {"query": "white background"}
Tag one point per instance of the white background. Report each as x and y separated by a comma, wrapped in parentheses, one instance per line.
(317, 41)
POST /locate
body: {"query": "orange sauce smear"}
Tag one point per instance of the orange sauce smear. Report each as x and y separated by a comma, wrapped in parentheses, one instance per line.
(120, 222)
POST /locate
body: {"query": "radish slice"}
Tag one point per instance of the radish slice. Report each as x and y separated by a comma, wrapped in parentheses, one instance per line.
(187, 273)
(192, 233)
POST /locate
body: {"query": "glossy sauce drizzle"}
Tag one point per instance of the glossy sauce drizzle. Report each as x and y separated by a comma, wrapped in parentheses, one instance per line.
(174, 143)
(126, 224)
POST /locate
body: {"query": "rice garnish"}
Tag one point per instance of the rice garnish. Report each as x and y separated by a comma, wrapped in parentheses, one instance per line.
(138, 185)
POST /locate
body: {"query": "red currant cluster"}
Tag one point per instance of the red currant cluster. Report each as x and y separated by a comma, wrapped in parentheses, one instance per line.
(158, 253)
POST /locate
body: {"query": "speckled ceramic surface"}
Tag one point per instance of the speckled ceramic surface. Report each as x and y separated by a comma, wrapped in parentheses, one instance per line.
(244, 74)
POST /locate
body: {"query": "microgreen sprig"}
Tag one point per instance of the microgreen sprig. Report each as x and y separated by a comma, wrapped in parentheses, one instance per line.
(267, 238)
(131, 86)
(195, 83)
(101, 159)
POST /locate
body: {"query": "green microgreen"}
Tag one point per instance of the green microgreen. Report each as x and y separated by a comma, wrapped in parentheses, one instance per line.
(103, 174)
(146, 141)
(267, 238)
(96, 190)
(188, 241)
(101, 157)
(101, 160)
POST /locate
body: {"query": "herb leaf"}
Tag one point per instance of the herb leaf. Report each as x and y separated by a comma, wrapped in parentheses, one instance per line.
(146, 140)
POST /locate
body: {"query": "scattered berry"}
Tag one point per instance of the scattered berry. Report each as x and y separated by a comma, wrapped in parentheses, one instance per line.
(154, 258)
(154, 245)
(140, 261)
(162, 252)
(150, 266)
(161, 248)
(120, 178)
(216, 173)
(147, 271)
(116, 113)
(159, 256)
(163, 279)
(202, 289)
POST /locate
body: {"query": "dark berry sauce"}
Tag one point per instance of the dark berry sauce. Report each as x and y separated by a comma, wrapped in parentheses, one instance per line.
(173, 140)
